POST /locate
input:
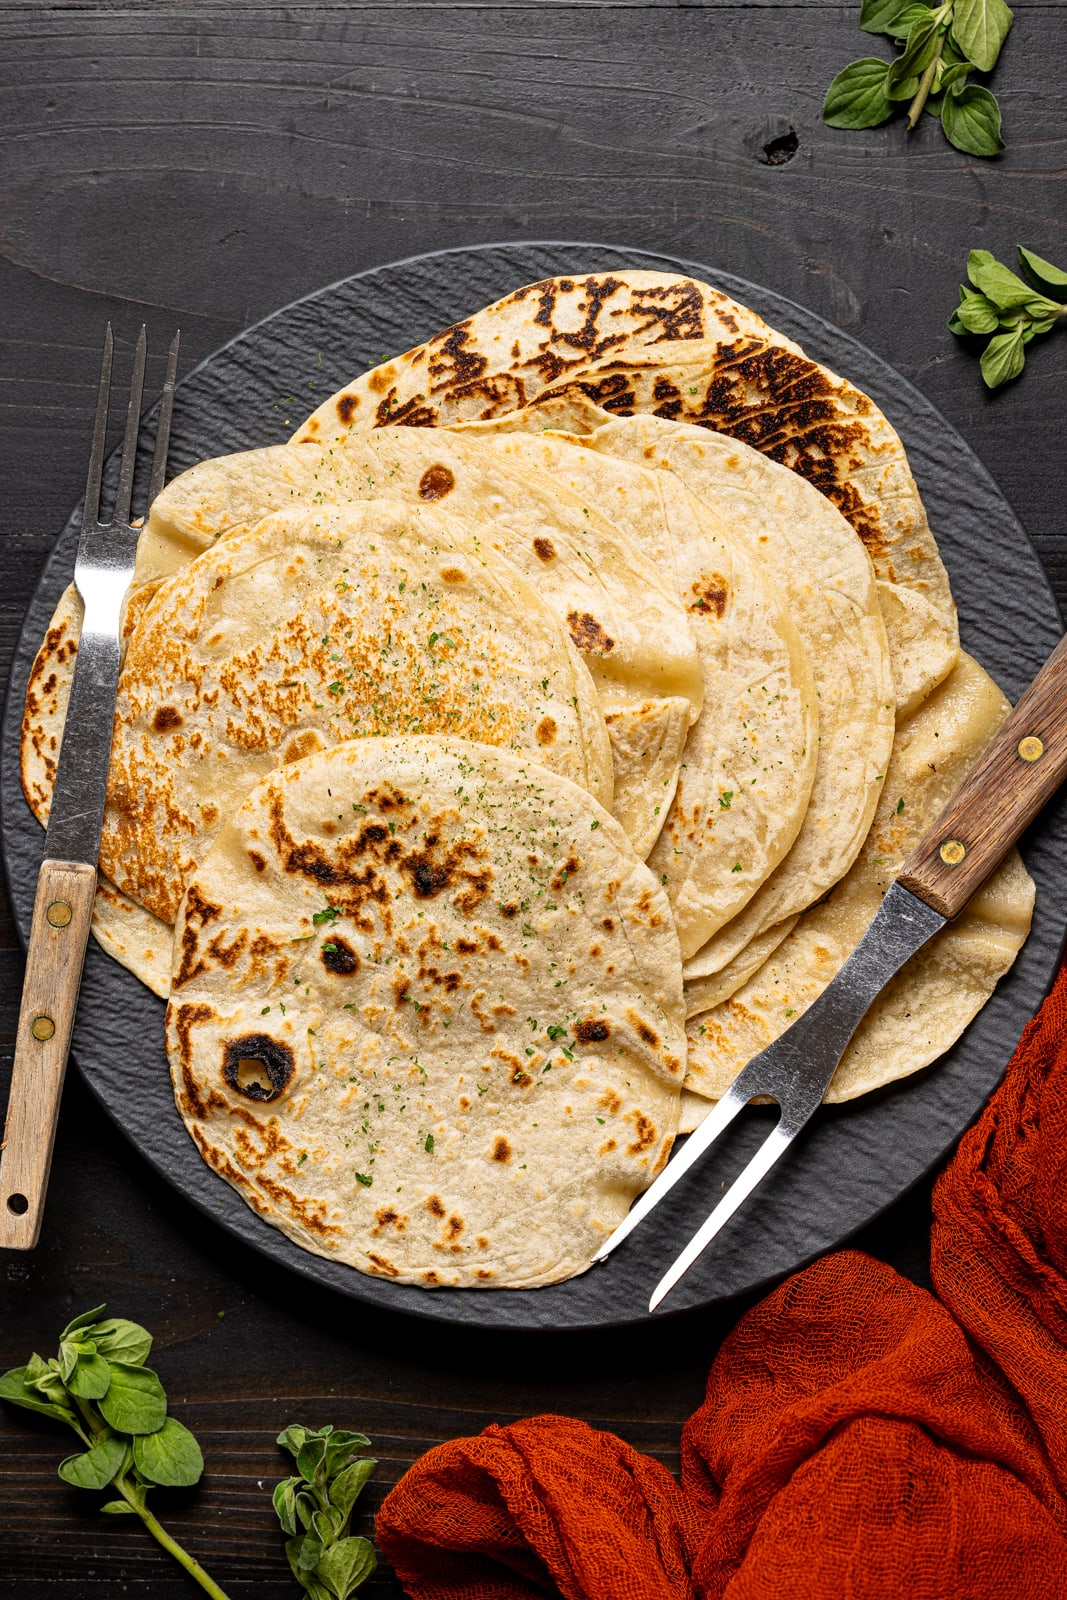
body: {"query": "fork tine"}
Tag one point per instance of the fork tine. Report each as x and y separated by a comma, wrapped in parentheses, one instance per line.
(129, 439)
(775, 1145)
(717, 1121)
(166, 409)
(91, 509)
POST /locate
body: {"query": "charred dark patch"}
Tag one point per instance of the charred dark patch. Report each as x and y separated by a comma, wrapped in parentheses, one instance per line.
(644, 1135)
(609, 924)
(453, 575)
(545, 549)
(198, 913)
(166, 719)
(501, 1150)
(339, 957)
(436, 482)
(546, 731)
(434, 1206)
(258, 861)
(521, 1078)
(711, 594)
(386, 798)
(382, 1266)
(587, 633)
(346, 407)
(567, 870)
(467, 947)
(643, 1031)
(453, 1227)
(258, 1066)
(591, 1032)
(675, 309)
(510, 910)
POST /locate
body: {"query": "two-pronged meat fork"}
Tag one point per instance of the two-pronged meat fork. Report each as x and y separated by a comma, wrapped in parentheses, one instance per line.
(66, 885)
(1017, 773)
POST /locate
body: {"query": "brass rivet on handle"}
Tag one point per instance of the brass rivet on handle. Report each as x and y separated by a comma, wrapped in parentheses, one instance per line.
(59, 914)
(1031, 748)
(952, 852)
(42, 1028)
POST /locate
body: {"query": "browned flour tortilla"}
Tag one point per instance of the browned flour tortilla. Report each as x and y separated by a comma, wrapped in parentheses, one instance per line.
(427, 1013)
(681, 349)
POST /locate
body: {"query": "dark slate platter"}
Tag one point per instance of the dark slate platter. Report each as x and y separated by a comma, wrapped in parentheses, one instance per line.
(856, 1159)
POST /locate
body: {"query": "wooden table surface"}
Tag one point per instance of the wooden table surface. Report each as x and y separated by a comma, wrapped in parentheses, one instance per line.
(208, 163)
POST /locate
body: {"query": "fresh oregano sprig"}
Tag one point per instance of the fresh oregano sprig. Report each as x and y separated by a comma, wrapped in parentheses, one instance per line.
(941, 46)
(315, 1510)
(1011, 309)
(99, 1385)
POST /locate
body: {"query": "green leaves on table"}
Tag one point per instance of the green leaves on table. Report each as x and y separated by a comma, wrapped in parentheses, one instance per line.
(942, 46)
(100, 1387)
(1011, 308)
(315, 1510)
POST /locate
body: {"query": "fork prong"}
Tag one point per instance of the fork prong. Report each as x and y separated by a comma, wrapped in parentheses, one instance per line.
(166, 409)
(129, 439)
(717, 1121)
(91, 508)
(775, 1145)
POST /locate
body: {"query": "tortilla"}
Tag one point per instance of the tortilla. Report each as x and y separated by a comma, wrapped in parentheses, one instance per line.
(816, 561)
(749, 761)
(302, 633)
(670, 345)
(930, 1002)
(427, 1013)
(620, 612)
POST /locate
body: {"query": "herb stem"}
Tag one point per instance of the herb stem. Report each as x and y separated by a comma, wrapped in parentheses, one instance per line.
(916, 107)
(160, 1534)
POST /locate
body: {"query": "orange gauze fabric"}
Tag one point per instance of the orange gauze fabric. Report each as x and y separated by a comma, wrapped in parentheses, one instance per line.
(859, 1437)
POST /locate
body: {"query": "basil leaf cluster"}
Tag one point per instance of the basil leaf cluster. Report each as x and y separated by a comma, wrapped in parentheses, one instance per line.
(315, 1509)
(941, 45)
(1012, 309)
(99, 1386)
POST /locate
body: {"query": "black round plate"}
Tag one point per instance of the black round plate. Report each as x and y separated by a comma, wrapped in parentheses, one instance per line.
(856, 1159)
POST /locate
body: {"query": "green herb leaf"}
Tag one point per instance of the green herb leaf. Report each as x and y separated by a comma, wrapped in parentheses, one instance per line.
(971, 120)
(924, 39)
(95, 1467)
(293, 1437)
(86, 1320)
(284, 1502)
(91, 1378)
(170, 1456)
(15, 1388)
(878, 16)
(311, 1459)
(330, 914)
(998, 283)
(118, 1508)
(976, 313)
(348, 1484)
(345, 1565)
(135, 1401)
(1002, 358)
(310, 1553)
(857, 97)
(121, 1340)
(1049, 279)
(979, 28)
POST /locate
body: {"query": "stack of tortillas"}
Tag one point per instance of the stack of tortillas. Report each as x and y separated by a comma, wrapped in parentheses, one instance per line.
(503, 762)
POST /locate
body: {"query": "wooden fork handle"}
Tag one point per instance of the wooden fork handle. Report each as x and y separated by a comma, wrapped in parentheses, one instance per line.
(1012, 779)
(62, 915)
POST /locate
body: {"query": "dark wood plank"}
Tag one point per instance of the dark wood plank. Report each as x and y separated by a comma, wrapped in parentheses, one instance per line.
(211, 162)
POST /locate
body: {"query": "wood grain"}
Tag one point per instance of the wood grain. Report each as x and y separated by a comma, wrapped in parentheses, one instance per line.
(62, 916)
(221, 160)
(1018, 772)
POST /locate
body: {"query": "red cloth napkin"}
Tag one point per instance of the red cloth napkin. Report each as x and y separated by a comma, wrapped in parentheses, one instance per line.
(860, 1439)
